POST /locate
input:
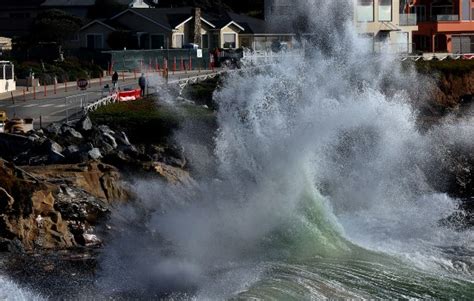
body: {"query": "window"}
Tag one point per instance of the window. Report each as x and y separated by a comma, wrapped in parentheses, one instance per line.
(365, 10)
(385, 10)
(205, 41)
(94, 41)
(466, 9)
(157, 41)
(420, 11)
(179, 40)
(230, 40)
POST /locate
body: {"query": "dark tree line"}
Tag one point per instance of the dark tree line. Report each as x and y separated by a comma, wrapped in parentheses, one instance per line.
(251, 7)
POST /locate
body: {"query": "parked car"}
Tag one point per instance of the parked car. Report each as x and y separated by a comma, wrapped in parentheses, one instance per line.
(2, 127)
(190, 46)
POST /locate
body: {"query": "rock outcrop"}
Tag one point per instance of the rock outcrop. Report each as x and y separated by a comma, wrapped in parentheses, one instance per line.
(55, 207)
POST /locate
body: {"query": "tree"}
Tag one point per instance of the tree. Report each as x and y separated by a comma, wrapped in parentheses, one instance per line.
(54, 26)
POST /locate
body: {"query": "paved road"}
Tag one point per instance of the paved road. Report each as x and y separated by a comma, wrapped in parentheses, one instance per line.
(57, 107)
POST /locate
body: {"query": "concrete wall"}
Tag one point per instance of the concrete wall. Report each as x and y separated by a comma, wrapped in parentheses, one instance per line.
(7, 85)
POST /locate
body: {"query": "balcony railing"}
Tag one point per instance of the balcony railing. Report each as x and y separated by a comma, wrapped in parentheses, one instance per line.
(393, 48)
(441, 18)
(408, 20)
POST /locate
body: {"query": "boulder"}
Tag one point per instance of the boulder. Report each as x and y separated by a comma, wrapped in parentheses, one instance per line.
(95, 154)
(84, 125)
(105, 129)
(122, 139)
(70, 132)
(53, 129)
(109, 139)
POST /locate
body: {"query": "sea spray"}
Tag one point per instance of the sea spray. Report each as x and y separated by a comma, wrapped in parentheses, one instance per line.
(318, 160)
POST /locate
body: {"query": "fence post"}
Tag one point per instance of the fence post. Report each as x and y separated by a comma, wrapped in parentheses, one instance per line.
(65, 86)
(34, 91)
(190, 63)
(45, 92)
(55, 87)
(13, 100)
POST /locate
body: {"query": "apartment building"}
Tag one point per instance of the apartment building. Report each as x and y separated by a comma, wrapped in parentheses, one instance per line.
(445, 26)
(386, 23)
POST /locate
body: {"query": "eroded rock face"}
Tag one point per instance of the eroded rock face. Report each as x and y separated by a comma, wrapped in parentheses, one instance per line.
(55, 207)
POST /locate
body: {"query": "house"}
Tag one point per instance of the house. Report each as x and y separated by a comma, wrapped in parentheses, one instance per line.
(385, 24)
(444, 25)
(156, 28)
(261, 35)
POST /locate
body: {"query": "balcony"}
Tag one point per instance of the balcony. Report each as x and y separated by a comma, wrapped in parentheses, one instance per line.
(445, 18)
(408, 20)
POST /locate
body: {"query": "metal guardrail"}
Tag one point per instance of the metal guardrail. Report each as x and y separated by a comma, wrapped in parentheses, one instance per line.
(101, 102)
(445, 18)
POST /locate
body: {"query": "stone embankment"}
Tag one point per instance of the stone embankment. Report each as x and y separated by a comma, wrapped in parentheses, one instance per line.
(58, 184)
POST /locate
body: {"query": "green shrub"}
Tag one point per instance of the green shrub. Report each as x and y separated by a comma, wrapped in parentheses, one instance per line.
(457, 67)
(142, 120)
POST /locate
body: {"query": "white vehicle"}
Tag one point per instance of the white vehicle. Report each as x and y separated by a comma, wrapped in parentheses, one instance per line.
(2, 127)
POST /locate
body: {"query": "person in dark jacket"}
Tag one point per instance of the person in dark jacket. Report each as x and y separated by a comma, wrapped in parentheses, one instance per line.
(115, 77)
(142, 84)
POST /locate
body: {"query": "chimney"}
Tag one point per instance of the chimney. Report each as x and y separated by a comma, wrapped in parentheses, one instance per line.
(197, 26)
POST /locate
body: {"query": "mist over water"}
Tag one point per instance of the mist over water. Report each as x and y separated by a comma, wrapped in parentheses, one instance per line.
(319, 188)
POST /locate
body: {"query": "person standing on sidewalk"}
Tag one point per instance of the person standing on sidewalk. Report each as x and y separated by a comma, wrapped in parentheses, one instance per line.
(142, 84)
(115, 78)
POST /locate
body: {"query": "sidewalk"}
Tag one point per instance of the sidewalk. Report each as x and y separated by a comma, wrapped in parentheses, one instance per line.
(24, 93)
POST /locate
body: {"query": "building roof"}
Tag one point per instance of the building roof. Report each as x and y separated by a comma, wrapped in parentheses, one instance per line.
(168, 18)
(57, 3)
(254, 25)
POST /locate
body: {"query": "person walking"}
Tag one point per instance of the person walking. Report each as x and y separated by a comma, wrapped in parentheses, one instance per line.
(115, 78)
(142, 84)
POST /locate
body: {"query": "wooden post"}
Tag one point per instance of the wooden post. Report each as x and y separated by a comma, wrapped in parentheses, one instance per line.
(34, 91)
(65, 86)
(55, 87)
(45, 92)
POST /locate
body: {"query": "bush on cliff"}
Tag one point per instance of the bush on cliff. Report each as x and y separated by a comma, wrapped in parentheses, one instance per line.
(142, 120)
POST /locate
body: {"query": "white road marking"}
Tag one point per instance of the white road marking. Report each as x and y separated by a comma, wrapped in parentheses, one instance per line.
(31, 105)
(47, 105)
(60, 106)
(13, 106)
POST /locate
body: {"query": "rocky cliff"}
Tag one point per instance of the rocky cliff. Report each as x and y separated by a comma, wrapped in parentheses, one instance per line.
(51, 207)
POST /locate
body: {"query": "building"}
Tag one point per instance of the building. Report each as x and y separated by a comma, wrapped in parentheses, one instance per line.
(156, 28)
(260, 35)
(445, 26)
(386, 24)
